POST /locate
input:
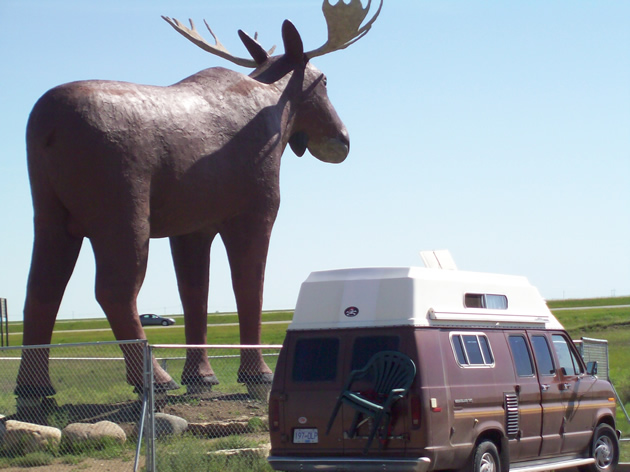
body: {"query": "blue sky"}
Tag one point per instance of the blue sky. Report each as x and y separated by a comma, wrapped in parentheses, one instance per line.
(497, 130)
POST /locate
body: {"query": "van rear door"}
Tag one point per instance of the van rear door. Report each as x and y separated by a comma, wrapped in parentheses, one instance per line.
(362, 345)
(317, 366)
(306, 398)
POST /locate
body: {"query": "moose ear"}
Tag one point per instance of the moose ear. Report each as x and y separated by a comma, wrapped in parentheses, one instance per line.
(298, 142)
(293, 47)
(257, 52)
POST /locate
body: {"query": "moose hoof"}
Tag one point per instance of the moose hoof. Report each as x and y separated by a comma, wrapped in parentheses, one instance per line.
(200, 384)
(255, 379)
(34, 391)
(259, 391)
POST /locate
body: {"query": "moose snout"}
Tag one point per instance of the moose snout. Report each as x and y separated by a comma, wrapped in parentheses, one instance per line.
(333, 150)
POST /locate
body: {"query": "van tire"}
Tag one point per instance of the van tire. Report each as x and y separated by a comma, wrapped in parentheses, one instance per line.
(604, 449)
(486, 458)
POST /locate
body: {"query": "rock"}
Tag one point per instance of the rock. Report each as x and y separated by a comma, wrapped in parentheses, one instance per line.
(24, 438)
(97, 433)
(262, 451)
(169, 425)
(219, 429)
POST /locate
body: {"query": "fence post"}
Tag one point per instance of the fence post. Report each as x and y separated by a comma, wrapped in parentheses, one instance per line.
(4, 315)
(148, 388)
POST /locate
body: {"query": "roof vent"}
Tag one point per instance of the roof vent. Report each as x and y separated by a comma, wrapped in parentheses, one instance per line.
(440, 259)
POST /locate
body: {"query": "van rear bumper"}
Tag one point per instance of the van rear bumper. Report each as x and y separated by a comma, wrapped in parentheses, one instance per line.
(349, 464)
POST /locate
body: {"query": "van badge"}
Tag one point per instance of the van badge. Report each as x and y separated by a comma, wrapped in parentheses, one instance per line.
(302, 420)
(351, 311)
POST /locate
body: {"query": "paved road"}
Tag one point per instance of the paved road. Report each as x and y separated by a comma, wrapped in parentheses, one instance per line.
(589, 307)
(154, 327)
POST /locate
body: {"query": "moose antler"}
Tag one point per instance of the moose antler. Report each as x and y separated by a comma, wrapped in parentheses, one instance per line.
(344, 25)
(344, 28)
(217, 49)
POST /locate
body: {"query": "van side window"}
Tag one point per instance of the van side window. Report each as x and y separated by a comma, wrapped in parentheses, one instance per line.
(315, 359)
(522, 356)
(543, 355)
(567, 359)
(366, 346)
(472, 349)
(485, 300)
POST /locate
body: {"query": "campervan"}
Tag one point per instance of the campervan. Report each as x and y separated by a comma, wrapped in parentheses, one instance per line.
(478, 375)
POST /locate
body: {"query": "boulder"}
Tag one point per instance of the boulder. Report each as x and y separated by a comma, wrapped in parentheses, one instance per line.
(97, 433)
(169, 425)
(24, 438)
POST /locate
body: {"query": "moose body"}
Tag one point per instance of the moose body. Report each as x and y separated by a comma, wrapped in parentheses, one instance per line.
(121, 163)
(183, 156)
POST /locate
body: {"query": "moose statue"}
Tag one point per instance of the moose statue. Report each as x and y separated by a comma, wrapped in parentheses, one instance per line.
(120, 163)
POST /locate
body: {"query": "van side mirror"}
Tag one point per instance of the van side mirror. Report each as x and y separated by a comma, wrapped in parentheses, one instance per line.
(591, 368)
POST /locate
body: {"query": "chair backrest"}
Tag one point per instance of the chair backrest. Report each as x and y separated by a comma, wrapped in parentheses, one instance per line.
(391, 369)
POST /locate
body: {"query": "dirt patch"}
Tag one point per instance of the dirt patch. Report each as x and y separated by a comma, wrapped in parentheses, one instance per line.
(209, 407)
(100, 465)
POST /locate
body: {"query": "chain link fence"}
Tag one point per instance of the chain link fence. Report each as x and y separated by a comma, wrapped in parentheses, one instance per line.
(215, 423)
(82, 407)
(68, 404)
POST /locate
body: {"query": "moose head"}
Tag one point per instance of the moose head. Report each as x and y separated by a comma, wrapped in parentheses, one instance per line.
(121, 163)
(344, 23)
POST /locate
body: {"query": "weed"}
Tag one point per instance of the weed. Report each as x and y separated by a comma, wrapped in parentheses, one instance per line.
(58, 418)
(34, 459)
(256, 425)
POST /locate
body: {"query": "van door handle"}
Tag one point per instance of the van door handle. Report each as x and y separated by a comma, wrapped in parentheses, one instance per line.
(566, 386)
(544, 387)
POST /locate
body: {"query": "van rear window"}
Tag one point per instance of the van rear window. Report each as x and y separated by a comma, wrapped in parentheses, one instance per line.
(315, 359)
(366, 346)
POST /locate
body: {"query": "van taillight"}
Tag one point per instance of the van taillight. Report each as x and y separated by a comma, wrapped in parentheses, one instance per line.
(416, 411)
(274, 414)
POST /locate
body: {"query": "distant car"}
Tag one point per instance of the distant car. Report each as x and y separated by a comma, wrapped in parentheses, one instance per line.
(147, 320)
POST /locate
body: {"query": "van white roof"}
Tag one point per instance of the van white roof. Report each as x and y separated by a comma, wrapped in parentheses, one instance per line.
(415, 296)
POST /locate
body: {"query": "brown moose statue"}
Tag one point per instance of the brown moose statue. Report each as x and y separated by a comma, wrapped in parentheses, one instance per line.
(120, 163)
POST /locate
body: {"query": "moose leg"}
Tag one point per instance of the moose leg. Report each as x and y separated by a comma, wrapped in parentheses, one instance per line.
(191, 257)
(121, 257)
(55, 253)
(247, 242)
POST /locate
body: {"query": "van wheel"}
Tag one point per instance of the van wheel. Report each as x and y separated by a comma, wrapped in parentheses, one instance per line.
(604, 449)
(486, 458)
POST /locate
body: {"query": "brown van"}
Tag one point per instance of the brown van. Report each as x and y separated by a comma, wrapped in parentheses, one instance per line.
(417, 369)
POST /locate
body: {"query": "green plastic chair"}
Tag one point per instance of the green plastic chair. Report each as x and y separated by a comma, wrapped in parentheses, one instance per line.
(392, 374)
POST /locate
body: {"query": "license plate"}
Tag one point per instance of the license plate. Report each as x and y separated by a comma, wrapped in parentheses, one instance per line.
(305, 436)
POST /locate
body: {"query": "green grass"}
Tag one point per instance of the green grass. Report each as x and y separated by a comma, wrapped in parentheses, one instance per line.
(579, 322)
(71, 331)
(191, 453)
(64, 454)
(612, 324)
